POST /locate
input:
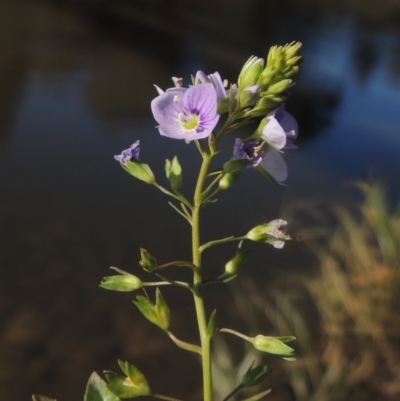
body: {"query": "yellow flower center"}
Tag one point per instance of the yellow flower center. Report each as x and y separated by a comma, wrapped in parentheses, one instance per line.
(191, 122)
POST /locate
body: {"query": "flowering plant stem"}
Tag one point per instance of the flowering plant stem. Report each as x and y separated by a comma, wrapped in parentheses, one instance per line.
(205, 338)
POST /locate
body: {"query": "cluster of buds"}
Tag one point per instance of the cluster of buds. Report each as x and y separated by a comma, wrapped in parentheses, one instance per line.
(265, 86)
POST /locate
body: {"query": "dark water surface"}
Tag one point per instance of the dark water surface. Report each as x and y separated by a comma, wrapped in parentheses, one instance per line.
(76, 83)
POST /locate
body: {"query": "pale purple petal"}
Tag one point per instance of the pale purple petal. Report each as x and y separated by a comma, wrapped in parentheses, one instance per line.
(219, 85)
(288, 123)
(201, 78)
(274, 134)
(175, 111)
(274, 164)
(127, 155)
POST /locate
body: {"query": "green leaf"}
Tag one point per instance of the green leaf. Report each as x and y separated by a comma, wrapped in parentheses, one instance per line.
(173, 172)
(232, 166)
(258, 396)
(96, 390)
(140, 170)
(212, 324)
(37, 397)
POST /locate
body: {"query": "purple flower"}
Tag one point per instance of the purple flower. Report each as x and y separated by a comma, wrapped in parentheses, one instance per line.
(248, 150)
(129, 154)
(274, 164)
(188, 115)
(281, 129)
(214, 79)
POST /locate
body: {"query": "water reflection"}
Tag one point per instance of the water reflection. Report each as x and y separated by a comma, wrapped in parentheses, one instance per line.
(76, 82)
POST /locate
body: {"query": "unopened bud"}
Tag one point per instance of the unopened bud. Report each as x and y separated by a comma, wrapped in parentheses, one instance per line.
(250, 72)
(236, 263)
(123, 282)
(228, 180)
(148, 262)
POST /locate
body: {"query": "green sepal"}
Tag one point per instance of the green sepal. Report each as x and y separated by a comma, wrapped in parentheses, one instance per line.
(233, 166)
(173, 172)
(140, 170)
(157, 313)
(148, 262)
(124, 282)
(96, 390)
(131, 386)
(37, 397)
(255, 376)
(258, 396)
(272, 345)
(212, 324)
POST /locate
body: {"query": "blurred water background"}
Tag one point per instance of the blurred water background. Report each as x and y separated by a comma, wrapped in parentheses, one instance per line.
(76, 83)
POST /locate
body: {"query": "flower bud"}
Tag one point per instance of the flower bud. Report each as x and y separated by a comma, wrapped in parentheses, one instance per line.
(249, 95)
(271, 233)
(148, 262)
(124, 282)
(273, 345)
(279, 87)
(266, 76)
(140, 170)
(228, 180)
(236, 263)
(173, 172)
(292, 49)
(250, 72)
(265, 105)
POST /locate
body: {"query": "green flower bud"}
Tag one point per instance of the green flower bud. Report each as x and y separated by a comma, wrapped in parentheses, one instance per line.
(250, 72)
(279, 87)
(124, 282)
(228, 180)
(173, 172)
(157, 313)
(249, 96)
(237, 262)
(140, 170)
(255, 375)
(271, 233)
(148, 262)
(265, 105)
(292, 49)
(273, 345)
(266, 76)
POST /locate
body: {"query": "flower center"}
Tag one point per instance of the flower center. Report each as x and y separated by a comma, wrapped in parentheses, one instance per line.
(190, 122)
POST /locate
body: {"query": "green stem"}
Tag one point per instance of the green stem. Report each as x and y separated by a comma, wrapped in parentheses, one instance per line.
(197, 281)
(184, 345)
(164, 397)
(220, 241)
(235, 333)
